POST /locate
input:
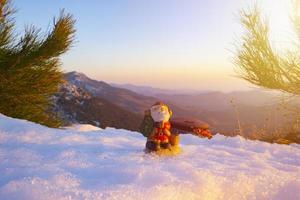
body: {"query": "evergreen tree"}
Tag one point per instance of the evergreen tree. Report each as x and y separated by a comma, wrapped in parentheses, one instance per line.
(260, 64)
(30, 66)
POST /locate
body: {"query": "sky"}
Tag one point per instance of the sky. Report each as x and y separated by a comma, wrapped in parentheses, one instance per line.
(172, 44)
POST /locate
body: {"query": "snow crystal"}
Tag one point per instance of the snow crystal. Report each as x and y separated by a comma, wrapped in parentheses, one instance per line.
(37, 162)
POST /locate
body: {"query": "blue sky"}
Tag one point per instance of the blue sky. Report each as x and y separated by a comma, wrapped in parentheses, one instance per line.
(162, 43)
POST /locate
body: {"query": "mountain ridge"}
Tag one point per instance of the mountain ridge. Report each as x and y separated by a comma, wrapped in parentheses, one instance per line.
(214, 107)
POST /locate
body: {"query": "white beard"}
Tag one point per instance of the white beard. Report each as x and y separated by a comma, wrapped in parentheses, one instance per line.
(160, 116)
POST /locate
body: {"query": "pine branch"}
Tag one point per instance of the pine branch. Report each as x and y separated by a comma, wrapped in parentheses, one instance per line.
(257, 62)
(30, 68)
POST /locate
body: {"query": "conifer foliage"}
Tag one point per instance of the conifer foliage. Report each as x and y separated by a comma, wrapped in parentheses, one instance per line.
(30, 66)
(259, 63)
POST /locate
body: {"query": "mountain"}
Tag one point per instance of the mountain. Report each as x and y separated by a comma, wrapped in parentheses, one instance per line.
(76, 105)
(152, 91)
(209, 99)
(84, 100)
(258, 112)
(254, 109)
(43, 163)
(124, 98)
(221, 101)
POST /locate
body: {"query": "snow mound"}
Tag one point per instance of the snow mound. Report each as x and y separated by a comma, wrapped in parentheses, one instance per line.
(42, 163)
(82, 127)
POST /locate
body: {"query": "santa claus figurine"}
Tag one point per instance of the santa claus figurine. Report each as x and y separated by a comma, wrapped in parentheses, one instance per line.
(156, 127)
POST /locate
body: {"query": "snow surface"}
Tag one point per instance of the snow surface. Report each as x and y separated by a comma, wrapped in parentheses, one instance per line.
(82, 127)
(42, 163)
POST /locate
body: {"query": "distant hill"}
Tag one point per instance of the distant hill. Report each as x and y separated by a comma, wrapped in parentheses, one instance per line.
(122, 97)
(152, 91)
(109, 105)
(220, 100)
(209, 99)
(256, 110)
(84, 100)
(76, 105)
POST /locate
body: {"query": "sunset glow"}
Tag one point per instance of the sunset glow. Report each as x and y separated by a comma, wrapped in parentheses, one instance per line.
(166, 44)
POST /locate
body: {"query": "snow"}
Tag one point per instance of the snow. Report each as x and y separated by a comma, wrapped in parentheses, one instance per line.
(83, 127)
(42, 163)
